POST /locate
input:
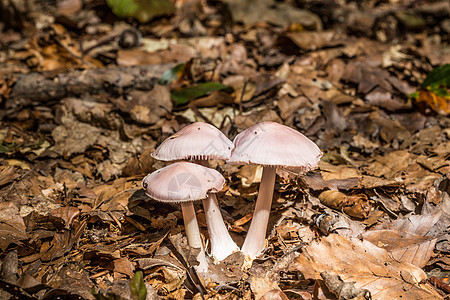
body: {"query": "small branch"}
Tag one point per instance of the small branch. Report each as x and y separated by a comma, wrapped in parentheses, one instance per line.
(112, 80)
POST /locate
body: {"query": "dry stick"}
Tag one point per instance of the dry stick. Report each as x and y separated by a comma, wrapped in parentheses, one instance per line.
(111, 80)
(242, 96)
(101, 42)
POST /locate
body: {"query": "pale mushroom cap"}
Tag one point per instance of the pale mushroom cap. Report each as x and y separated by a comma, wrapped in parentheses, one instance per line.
(273, 144)
(182, 182)
(195, 141)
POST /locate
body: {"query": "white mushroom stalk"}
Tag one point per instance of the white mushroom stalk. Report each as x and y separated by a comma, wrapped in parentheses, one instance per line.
(271, 145)
(255, 239)
(201, 142)
(193, 234)
(222, 245)
(183, 183)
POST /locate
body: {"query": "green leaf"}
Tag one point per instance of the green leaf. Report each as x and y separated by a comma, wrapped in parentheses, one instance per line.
(439, 77)
(142, 10)
(137, 286)
(414, 95)
(185, 95)
(170, 75)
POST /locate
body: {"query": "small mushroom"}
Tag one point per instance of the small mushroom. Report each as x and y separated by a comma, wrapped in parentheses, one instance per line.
(200, 141)
(183, 183)
(271, 145)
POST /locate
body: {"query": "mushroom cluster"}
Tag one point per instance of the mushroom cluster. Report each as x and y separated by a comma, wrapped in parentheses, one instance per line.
(269, 144)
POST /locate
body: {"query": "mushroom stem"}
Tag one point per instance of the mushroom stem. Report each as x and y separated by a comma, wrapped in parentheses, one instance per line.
(193, 234)
(222, 244)
(254, 241)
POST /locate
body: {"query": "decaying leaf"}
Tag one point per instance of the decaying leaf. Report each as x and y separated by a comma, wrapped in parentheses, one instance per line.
(356, 206)
(365, 264)
(406, 240)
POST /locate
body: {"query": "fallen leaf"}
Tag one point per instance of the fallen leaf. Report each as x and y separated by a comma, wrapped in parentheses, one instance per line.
(185, 95)
(437, 102)
(143, 11)
(147, 107)
(403, 247)
(356, 205)
(12, 226)
(308, 40)
(123, 265)
(408, 239)
(261, 286)
(8, 174)
(365, 264)
(274, 295)
(279, 13)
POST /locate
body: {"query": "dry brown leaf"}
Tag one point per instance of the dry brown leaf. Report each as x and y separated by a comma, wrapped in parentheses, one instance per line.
(339, 172)
(147, 107)
(250, 174)
(138, 57)
(316, 182)
(308, 40)
(406, 239)
(261, 286)
(365, 264)
(404, 247)
(273, 12)
(356, 206)
(67, 214)
(391, 165)
(274, 295)
(124, 266)
(7, 174)
(12, 226)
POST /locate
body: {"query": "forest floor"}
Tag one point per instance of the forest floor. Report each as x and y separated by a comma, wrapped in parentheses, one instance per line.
(86, 97)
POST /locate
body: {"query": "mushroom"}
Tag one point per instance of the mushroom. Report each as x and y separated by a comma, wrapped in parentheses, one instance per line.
(183, 183)
(271, 145)
(200, 141)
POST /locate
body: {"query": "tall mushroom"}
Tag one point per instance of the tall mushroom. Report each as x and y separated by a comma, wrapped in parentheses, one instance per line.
(183, 183)
(200, 141)
(271, 145)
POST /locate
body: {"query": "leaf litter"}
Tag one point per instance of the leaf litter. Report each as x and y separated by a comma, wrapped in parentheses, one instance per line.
(85, 101)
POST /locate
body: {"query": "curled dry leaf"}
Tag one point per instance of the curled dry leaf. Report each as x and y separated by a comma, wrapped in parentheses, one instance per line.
(357, 206)
(365, 264)
(67, 215)
(12, 227)
(7, 174)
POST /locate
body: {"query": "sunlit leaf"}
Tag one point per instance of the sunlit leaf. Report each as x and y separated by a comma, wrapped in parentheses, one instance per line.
(434, 90)
(439, 76)
(142, 10)
(185, 95)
